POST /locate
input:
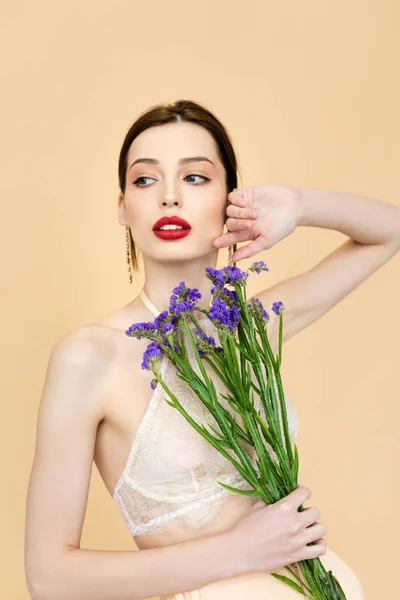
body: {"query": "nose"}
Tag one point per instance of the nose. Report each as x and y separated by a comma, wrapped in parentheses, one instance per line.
(171, 201)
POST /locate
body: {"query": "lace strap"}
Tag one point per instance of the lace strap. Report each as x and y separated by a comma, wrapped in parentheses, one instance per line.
(149, 304)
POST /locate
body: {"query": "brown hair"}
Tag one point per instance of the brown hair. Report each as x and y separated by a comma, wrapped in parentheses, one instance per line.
(180, 111)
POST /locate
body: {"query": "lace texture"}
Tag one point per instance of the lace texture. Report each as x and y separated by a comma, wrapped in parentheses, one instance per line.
(171, 474)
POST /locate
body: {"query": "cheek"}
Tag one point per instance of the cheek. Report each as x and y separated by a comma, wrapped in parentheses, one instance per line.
(140, 221)
(219, 203)
(139, 210)
(217, 211)
(216, 218)
(223, 214)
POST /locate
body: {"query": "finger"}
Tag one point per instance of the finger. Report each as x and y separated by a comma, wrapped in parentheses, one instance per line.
(259, 503)
(314, 550)
(239, 200)
(235, 193)
(321, 541)
(295, 499)
(309, 516)
(239, 224)
(241, 213)
(227, 239)
(258, 245)
(313, 533)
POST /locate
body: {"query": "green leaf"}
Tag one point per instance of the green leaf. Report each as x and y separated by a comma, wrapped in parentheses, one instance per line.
(169, 402)
(220, 440)
(295, 463)
(289, 582)
(292, 572)
(217, 433)
(238, 491)
(242, 351)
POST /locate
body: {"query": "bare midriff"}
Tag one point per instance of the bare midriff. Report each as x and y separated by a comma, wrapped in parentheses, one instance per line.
(234, 508)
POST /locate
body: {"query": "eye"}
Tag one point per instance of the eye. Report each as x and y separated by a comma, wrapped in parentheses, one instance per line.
(136, 181)
(196, 175)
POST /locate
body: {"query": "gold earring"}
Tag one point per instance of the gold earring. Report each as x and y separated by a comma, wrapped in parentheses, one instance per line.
(128, 253)
(230, 254)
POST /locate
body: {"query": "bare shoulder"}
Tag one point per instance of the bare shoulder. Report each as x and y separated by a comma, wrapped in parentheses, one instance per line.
(73, 404)
(92, 354)
(88, 348)
(78, 365)
(101, 345)
(98, 342)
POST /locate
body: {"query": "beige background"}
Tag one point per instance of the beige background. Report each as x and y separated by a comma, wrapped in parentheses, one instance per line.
(310, 94)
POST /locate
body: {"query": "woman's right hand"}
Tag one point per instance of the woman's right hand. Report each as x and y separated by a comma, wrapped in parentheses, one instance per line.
(272, 536)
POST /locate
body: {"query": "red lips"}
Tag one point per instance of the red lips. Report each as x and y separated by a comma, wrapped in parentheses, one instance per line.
(171, 234)
(174, 220)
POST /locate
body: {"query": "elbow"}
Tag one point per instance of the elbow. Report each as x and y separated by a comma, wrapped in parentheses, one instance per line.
(43, 584)
(42, 589)
(32, 579)
(47, 578)
(36, 588)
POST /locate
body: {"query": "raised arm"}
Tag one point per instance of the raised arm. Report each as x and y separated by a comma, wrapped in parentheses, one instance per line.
(56, 567)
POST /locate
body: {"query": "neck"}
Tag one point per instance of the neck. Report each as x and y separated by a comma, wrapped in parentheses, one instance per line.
(161, 278)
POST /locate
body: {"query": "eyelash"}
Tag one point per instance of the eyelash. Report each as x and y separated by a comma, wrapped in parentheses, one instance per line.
(191, 175)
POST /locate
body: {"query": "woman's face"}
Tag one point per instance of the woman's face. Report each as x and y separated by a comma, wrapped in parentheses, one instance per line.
(168, 186)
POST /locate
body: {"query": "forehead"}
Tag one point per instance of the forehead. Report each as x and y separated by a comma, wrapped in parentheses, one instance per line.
(172, 141)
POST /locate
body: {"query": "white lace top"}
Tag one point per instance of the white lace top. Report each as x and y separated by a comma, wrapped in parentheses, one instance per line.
(171, 473)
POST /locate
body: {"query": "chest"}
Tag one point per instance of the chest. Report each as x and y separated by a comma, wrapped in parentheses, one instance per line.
(150, 442)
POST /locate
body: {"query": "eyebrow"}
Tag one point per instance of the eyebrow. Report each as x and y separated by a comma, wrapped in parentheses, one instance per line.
(182, 161)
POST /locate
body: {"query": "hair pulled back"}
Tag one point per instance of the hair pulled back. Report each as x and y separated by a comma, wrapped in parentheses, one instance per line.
(179, 111)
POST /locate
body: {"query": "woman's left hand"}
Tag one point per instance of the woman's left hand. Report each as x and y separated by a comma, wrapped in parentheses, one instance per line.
(264, 214)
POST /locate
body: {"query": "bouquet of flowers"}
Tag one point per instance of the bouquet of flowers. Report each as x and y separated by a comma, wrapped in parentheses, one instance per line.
(247, 366)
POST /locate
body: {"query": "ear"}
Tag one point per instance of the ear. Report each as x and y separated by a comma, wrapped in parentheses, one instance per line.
(121, 209)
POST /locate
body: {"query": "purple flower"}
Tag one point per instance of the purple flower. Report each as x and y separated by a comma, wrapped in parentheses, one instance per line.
(179, 289)
(278, 307)
(227, 275)
(183, 299)
(205, 345)
(216, 276)
(151, 356)
(181, 307)
(169, 327)
(229, 296)
(186, 293)
(168, 345)
(257, 309)
(193, 294)
(158, 321)
(144, 330)
(235, 275)
(235, 315)
(224, 316)
(258, 266)
(153, 384)
(218, 309)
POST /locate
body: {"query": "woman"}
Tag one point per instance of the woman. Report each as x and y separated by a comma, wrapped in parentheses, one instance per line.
(195, 539)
